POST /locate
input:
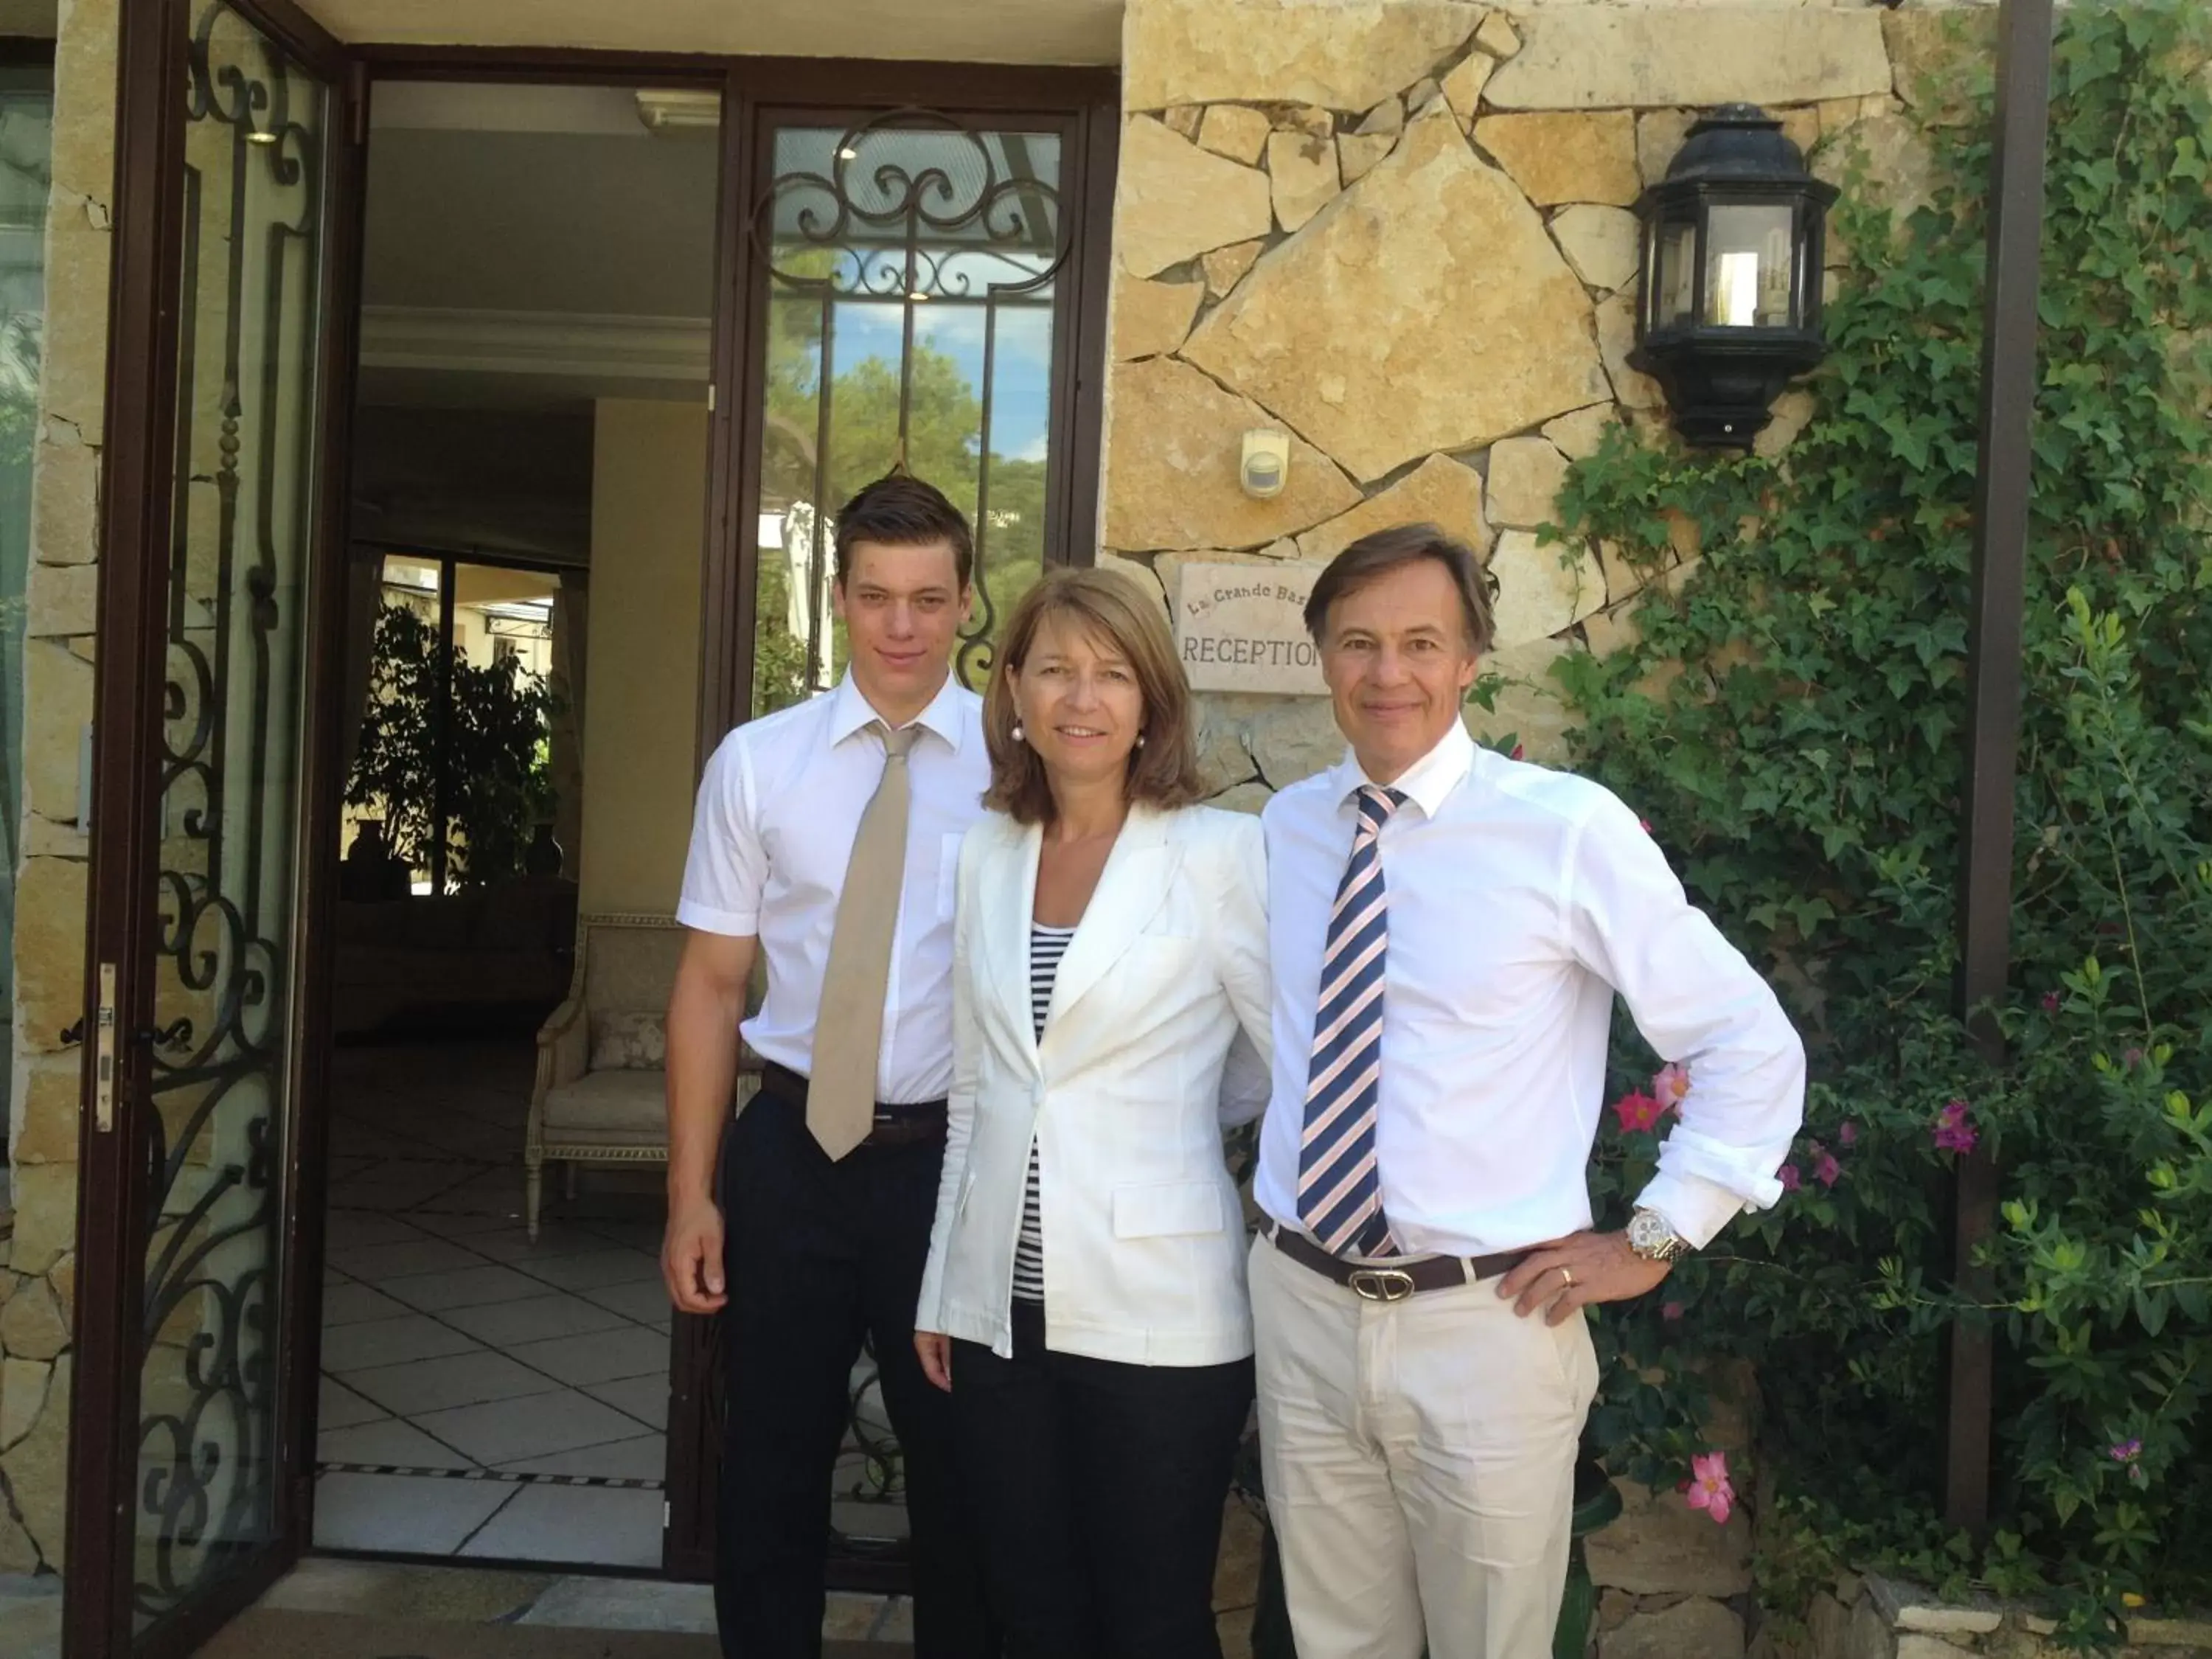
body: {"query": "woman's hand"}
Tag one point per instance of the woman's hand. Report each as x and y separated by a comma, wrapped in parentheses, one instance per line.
(935, 1350)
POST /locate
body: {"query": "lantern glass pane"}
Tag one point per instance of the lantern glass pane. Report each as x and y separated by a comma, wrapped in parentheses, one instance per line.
(1750, 266)
(1675, 270)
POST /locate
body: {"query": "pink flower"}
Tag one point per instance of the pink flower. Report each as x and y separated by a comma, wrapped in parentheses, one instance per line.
(1670, 1311)
(2131, 1059)
(1637, 1110)
(1670, 1084)
(1825, 1169)
(1955, 1128)
(1847, 1134)
(1518, 751)
(1645, 825)
(2050, 1002)
(2127, 1451)
(1788, 1175)
(1709, 1490)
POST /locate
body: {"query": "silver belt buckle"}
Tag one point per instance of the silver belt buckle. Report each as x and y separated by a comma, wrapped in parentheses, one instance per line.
(1381, 1284)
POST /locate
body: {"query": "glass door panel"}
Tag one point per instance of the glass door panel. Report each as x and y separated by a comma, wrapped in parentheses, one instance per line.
(915, 270)
(224, 961)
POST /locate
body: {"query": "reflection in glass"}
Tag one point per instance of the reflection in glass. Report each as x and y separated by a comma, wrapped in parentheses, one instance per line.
(229, 810)
(1749, 266)
(910, 324)
(1676, 255)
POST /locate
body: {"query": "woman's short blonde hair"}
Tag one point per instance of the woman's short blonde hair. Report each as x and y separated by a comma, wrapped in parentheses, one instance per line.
(1118, 617)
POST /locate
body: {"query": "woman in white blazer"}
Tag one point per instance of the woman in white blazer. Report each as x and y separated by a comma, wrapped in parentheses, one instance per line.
(1084, 1297)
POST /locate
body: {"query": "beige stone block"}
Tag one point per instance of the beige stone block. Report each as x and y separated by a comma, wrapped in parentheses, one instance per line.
(1529, 707)
(1224, 762)
(1801, 126)
(1793, 412)
(1294, 739)
(1614, 628)
(1660, 136)
(1544, 588)
(1176, 441)
(61, 599)
(1929, 1647)
(1152, 318)
(1302, 173)
(1309, 118)
(74, 366)
(57, 705)
(84, 99)
(1463, 87)
(1631, 58)
(45, 1216)
(1897, 162)
(1440, 491)
(1185, 120)
(22, 1396)
(1235, 131)
(1605, 245)
(1349, 54)
(61, 1278)
(1146, 579)
(1175, 201)
(1578, 434)
(1616, 338)
(1420, 94)
(43, 837)
(1661, 1545)
(1695, 1629)
(1389, 116)
(1365, 335)
(1251, 798)
(1525, 476)
(1244, 1539)
(64, 498)
(1558, 156)
(2195, 1634)
(32, 1325)
(1940, 1619)
(19, 1554)
(50, 920)
(1357, 157)
(1929, 45)
(1497, 36)
(1225, 266)
(53, 1085)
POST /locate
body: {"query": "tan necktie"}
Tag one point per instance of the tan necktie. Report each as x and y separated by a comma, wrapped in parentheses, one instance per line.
(848, 1027)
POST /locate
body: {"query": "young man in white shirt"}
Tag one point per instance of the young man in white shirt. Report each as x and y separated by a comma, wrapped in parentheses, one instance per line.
(1448, 929)
(826, 843)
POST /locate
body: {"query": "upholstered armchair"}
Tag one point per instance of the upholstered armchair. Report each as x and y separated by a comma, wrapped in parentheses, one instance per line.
(602, 1058)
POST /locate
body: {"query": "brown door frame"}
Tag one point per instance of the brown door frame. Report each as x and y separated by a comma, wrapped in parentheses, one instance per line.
(137, 498)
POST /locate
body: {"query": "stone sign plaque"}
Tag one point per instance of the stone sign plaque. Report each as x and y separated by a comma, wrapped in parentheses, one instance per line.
(1242, 628)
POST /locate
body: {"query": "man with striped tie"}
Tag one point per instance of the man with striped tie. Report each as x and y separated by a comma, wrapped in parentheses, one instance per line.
(1448, 929)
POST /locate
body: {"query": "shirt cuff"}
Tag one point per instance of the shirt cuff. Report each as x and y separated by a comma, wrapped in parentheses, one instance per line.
(733, 924)
(1695, 1207)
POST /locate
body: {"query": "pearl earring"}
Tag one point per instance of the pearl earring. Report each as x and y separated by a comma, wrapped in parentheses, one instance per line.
(1141, 740)
(1018, 733)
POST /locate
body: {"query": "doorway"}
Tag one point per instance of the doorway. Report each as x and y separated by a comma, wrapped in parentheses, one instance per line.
(275, 461)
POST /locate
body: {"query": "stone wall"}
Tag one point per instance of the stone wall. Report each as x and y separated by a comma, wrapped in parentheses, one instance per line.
(38, 1279)
(1400, 230)
(1875, 1618)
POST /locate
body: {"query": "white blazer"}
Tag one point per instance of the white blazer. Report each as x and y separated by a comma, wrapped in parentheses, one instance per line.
(1143, 1234)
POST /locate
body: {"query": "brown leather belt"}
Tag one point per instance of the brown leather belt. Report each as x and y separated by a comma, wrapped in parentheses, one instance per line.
(918, 1125)
(1396, 1281)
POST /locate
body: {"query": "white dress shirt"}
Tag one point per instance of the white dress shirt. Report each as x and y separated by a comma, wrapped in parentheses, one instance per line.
(1521, 900)
(779, 808)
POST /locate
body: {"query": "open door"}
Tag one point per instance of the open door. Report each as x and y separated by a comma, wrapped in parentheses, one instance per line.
(190, 1469)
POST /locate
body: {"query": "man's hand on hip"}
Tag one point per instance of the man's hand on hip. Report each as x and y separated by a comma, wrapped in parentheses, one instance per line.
(691, 1257)
(1570, 1272)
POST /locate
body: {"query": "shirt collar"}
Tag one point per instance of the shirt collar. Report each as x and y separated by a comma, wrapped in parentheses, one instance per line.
(1428, 783)
(850, 711)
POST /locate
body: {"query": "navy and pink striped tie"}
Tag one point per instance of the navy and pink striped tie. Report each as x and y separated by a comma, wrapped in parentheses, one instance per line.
(1340, 1186)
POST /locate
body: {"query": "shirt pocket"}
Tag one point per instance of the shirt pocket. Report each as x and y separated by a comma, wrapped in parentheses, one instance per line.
(1168, 1210)
(948, 877)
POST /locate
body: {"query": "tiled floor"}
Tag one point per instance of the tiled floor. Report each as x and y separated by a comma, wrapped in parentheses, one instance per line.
(484, 1395)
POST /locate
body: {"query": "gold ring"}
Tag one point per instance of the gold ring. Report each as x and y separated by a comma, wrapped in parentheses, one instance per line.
(1568, 1274)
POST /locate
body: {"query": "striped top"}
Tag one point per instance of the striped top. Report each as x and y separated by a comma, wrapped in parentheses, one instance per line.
(1047, 946)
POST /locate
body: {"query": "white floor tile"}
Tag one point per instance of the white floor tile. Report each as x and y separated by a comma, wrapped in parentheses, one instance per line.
(350, 1304)
(411, 1515)
(601, 1357)
(596, 1270)
(513, 1246)
(644, 1398)
(645, 1458)
(535, 1316)
(375, 1264)
(351, 1230)
(537, 1427)
(338, 1406)
(460, 1379)
(394, 1342)
(389, 1441)
(468, 1287)
(597, 1603)
(646, 1303)
(598, 1526)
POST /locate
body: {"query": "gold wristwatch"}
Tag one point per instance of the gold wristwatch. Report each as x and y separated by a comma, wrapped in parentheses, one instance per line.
(1652, 1236)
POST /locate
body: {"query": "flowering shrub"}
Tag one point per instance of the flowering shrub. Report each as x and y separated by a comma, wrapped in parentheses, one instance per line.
(1804, 769)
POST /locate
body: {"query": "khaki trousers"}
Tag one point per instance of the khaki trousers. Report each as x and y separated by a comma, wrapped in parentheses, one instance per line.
(1419, 1463)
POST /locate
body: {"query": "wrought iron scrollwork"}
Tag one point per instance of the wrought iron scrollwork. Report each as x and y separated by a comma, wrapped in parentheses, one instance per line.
(968, 220)
(207, 1451)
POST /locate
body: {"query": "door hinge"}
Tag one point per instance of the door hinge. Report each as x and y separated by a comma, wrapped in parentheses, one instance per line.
(710, 396)
(103, 1087)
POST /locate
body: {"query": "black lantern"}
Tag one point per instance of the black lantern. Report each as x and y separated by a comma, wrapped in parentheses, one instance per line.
(1732, 264)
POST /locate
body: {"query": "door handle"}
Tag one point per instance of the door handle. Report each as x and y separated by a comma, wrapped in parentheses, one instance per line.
(176, 1036)
(103, 1086)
